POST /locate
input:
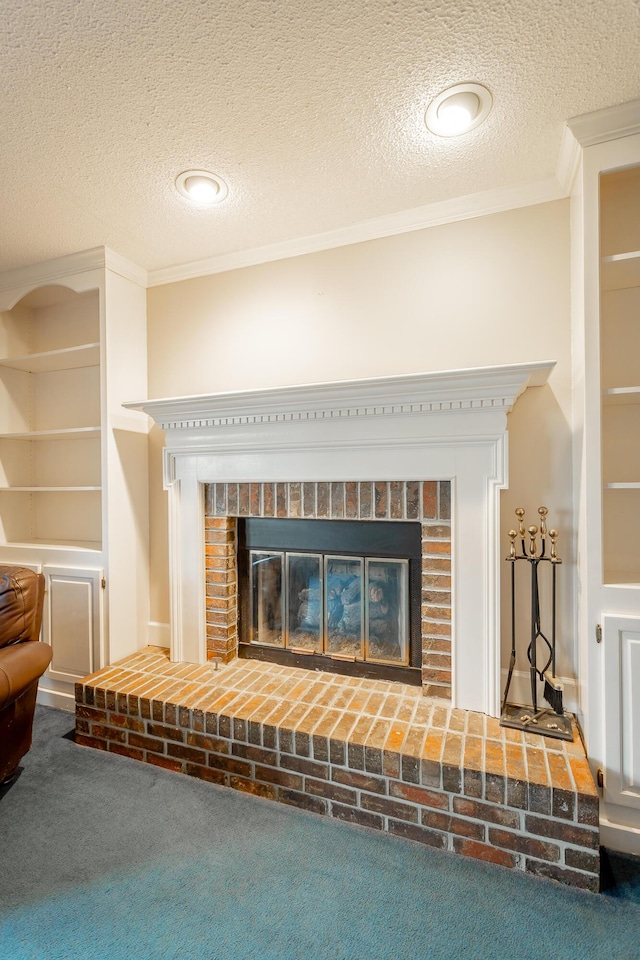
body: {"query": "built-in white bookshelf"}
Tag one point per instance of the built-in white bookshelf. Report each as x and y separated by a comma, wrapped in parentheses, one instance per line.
(620, 373)
(50, 419)
(73, 461)
(605, 231)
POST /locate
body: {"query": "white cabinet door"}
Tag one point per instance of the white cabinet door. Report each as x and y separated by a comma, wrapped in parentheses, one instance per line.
(72, 621)
(621, 637)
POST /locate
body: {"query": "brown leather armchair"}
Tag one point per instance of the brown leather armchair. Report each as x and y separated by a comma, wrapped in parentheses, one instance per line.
(23, 660)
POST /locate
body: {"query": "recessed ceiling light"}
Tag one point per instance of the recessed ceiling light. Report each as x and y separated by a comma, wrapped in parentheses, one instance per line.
(458, 109)
(201, 187)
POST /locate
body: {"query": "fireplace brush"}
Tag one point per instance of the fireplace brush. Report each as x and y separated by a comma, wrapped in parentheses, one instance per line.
(554, 722)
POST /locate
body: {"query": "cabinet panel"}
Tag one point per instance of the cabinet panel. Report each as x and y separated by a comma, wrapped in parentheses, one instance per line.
(622, 709)
(72, 621)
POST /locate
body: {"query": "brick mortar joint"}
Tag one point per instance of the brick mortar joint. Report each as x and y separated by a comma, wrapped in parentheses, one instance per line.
(522, 831)
(418, 808)
(345, 767)
(285, 489)
(561, 865)
(459, 765)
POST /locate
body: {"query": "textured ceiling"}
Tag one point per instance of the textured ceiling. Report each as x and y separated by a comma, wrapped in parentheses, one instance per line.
(311, 111)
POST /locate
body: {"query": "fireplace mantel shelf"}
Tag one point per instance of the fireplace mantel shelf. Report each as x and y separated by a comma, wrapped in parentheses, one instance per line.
(452, 391)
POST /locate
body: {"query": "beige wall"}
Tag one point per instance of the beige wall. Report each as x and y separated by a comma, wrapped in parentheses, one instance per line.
(479, 292)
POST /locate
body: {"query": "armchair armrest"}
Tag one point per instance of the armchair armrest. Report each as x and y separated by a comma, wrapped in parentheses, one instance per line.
(20, 665)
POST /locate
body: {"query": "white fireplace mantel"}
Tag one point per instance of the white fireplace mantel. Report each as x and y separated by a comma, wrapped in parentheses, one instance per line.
(436, 426)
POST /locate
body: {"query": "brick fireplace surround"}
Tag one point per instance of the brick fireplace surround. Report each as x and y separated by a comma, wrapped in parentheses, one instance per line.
(432, 765)
(428, 502)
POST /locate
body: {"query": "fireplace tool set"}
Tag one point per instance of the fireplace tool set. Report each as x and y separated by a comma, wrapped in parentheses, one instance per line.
(541, 651)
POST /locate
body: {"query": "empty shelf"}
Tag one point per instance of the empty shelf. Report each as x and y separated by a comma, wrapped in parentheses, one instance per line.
(85, 355)
(72, 433)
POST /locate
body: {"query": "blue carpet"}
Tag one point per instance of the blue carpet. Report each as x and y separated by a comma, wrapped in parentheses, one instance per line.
(104, 858)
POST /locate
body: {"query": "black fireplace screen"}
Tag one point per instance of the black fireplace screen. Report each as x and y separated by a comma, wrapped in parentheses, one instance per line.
(343, 590)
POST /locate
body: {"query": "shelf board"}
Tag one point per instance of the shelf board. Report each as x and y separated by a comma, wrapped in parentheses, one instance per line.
(620, 271)
(93, 546)
(615, 578)
(73, 433)
(625, 485)
(614, 396)
(47, 489)
(69, 358)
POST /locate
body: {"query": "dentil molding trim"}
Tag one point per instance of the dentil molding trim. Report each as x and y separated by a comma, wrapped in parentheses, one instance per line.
(447, 392)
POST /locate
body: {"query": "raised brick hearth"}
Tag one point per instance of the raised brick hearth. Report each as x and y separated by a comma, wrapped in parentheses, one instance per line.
(366, 751)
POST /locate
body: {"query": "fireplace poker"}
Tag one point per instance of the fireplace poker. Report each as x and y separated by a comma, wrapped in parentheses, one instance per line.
(536, 630)
(553, 689)
(512, 659)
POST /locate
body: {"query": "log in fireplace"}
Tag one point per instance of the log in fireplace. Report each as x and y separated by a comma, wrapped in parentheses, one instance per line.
(335, 595)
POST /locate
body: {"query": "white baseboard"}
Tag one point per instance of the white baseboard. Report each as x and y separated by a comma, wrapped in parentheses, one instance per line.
(618, 837)
(158, 634)
(54, 698)
(520, 690)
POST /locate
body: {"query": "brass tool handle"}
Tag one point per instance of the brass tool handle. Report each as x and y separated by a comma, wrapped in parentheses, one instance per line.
(543, 521)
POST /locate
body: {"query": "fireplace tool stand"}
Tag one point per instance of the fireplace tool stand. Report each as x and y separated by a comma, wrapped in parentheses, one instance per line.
(549, 721)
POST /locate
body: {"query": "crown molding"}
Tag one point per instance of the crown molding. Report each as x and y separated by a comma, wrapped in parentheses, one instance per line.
(73, 266)
(53, 271)
(569, 159)
(456, 209)
(469, 207)
(611, 123)
(475, 390)
(125, 268)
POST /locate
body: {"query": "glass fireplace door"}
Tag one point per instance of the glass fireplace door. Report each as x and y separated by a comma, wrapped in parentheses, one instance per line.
(266, 576)
(343, 607)
(304, 603)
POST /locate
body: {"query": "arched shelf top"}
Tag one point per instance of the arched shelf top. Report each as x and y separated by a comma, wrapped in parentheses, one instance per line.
(47, 295)
(77, 272)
